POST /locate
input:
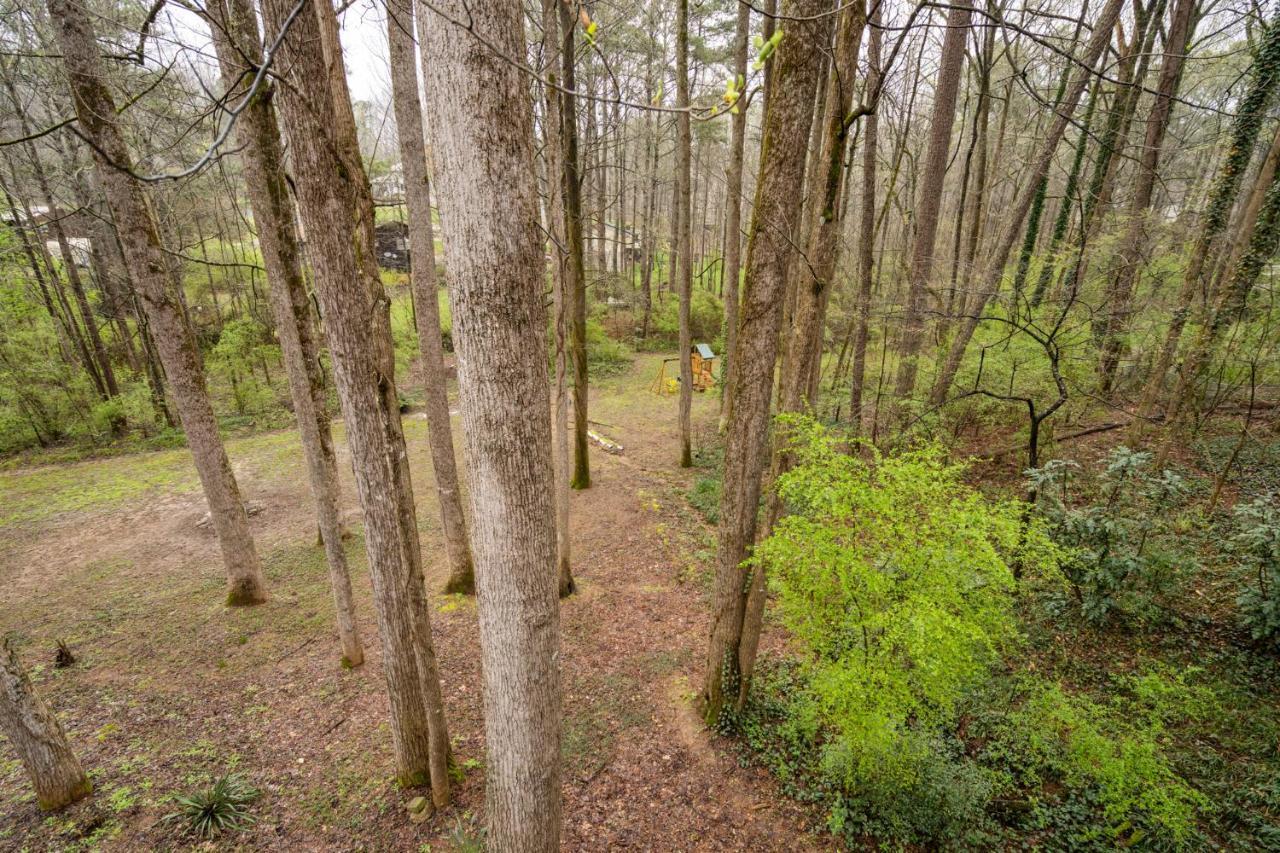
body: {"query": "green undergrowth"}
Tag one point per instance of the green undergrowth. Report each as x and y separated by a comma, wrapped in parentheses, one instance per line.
(928, 698)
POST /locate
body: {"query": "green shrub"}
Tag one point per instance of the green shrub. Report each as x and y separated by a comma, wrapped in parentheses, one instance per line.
(1257, 545)
(893, 578)
(109, 417)
(605, 356)
(706, 314)
(1108, 758)
(1124, 543)
(222, 807)
(243, 345)
(705, 498)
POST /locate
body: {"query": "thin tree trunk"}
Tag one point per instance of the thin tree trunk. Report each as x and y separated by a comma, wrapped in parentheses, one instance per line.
(577, 264)
(236, 40)
(96, 111)
(866, 226)
(553, 151)
(929, 199)
(335, 204)
(422, 280)
(480, 114)
(684, 142)
(37, 737)
(650, 226)
(733, 199)
(797, 64)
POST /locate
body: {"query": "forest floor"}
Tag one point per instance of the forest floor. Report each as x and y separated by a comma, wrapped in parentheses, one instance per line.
(171, 690)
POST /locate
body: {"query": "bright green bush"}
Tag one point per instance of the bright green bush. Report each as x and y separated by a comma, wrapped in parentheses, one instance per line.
(605, 356)
(1108, 757)
(706, 314)
(893, 577)
(243, 346)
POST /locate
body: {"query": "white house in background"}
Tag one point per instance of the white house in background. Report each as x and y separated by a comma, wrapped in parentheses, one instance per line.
(81, 247)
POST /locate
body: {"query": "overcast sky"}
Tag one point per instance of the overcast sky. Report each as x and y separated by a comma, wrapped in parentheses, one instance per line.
(364, 43)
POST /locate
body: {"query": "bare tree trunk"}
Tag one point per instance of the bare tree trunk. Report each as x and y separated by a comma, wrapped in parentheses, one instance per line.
(989, 280)
(684, 278)
(577, 264)
(493, 251)
(333, 195)
(826, 187)
(929, 199)
(96, 111)
(976, 211)
(37, 737)
(553, 151)
(797, 64)
(650, 226)
(347, 148)
(866, 226)
(236, 40)
(733, 202)
(422, 279)
(1122, 282)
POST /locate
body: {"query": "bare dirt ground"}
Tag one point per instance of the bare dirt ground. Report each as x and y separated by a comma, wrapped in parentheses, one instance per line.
(171, 689)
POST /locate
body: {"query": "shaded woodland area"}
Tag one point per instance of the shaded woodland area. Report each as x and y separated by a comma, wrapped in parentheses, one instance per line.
(722, 425)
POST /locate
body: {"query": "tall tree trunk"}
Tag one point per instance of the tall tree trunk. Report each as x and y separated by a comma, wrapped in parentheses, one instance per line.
(334, 201)
(236, 40)
(826, 187)
(929, 198)
(989, 280)
(775, 224)
(1263, 83)
(733, 202)
(684, 278)
(422, 279)
(96, 111)
(37, 737)
(650, 225)
(1133, 246)
(561, 287)
(479, 109)
(1063, 220)
(577, 265)
(976, 212)
(866, 226)
(347, 148)
(1135, 59)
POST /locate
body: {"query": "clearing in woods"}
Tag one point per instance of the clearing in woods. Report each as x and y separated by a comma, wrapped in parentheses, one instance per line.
(170, 689)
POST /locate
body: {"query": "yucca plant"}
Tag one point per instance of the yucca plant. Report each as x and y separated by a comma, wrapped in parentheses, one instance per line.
(221, 807)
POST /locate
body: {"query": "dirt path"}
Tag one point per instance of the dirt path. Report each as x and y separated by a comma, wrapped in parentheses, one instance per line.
(172, 689)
